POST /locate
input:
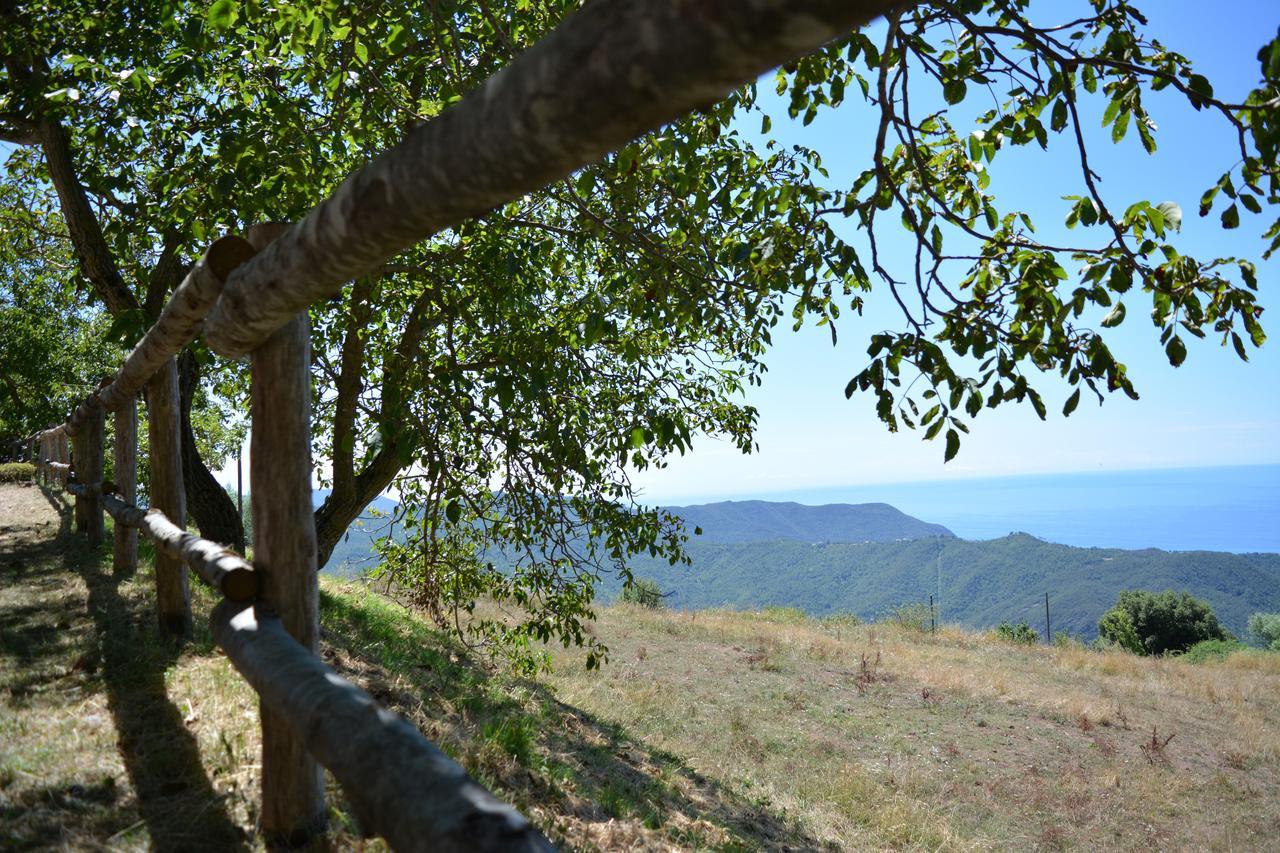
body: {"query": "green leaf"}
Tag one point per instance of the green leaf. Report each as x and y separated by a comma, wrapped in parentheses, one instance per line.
(223, 14)
(637, 437)
(1238, 343)
(954, 91)
(1231, 217)
(1114, 317)
(953, 445)
(1072, 402)
(1059, 120)
(453, 511)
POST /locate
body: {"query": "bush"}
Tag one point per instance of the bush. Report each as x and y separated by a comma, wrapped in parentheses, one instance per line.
(1116, 630)
(17, 472)
(643, 592)
(1064, 640)
(1149, 623)
(914, 617)
(1206, 650)
(1265, 629)
(1020, 632)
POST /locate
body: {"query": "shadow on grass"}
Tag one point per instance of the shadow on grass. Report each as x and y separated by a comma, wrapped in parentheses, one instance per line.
(175, 800)
(516, 737)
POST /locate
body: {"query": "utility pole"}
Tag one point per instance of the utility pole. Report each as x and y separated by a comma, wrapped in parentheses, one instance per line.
(1048, 633)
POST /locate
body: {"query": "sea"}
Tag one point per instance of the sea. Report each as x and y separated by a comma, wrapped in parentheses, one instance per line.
(1233, 508)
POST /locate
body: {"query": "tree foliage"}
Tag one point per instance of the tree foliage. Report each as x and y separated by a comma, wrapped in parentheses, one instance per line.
(643, 592)
(1265, 629)
(1149, 623)
(510, 375)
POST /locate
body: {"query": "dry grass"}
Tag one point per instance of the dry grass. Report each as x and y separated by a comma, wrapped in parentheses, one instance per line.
(714, 730)
(950, 741)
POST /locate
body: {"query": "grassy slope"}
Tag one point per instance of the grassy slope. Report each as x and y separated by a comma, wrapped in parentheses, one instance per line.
(982, 583)
(708, 730)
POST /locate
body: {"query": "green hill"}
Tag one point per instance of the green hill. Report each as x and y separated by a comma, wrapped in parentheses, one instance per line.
(978, 583)
(869, 558)
(754, 521)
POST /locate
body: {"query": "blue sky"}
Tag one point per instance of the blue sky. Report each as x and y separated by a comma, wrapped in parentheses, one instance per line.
(1214, 410)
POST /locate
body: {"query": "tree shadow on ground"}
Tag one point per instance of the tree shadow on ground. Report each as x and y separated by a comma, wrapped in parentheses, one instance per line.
(602, 787)
(121, 653)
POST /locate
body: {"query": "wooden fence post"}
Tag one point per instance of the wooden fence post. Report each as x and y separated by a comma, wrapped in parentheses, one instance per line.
(124, 558)
(93, 432)
(173, 592)
(77, 469)
(284, 538)
(64, 456)
(285, 552)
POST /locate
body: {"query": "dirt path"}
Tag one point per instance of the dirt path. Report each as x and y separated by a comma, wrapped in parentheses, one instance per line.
(93, 754)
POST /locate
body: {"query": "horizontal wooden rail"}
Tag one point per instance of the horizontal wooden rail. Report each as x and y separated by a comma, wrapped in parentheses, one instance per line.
(177, 326)
(610, 72)
(220, 567)
(180, 321)
(401, 786)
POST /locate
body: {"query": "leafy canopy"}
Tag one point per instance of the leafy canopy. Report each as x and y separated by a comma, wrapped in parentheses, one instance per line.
(1149, 623)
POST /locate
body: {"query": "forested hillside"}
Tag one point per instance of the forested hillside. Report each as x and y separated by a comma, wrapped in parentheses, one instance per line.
(869, 558)
(979, 583)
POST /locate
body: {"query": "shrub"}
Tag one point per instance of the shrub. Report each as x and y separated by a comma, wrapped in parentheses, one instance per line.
(1116, 630)
(1265, 628)
(914, 617)
(1151, 623)
(17, 472)
(1019, 632)
(642, 591)
(1206, 650)
(1064, 640)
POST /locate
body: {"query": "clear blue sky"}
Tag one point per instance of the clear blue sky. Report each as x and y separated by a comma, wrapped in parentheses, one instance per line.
(1214, 410)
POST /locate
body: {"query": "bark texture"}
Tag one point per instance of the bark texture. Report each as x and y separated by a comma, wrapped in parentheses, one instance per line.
(224, 570)
(124, 555)
(82, 225)
(173, 591)
(607, 74)
(284, 540)
(401, 786)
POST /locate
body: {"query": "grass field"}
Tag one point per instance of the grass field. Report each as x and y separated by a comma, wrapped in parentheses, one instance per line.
(708, 730)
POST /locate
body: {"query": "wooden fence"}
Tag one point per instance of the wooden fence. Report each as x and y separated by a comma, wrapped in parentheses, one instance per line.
(607, 74)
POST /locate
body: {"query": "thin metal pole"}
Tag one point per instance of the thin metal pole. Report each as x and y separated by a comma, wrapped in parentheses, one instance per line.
(1048, 633)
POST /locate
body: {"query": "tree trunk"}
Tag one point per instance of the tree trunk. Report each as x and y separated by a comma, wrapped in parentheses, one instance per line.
(207, 501)
(173, 593)
(338, 511)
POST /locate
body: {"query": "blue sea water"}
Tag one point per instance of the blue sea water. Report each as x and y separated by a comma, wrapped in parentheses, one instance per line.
(1213, 509)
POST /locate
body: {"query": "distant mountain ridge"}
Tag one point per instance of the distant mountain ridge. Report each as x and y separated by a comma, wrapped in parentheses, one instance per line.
(761, 521)
(869, 558)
